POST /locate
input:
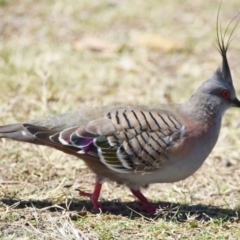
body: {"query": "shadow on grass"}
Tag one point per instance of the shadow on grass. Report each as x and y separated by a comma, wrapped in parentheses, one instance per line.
(166, 210)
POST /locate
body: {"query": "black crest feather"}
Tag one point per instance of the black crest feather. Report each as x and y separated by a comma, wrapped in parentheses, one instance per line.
(223, 45)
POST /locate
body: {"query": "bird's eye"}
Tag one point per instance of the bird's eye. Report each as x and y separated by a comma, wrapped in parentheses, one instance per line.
(226, 94)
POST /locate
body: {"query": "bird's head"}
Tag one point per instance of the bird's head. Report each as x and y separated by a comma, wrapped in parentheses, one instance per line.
(219, 88)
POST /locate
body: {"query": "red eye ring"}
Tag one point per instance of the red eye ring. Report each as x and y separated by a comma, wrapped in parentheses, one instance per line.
(226, 94)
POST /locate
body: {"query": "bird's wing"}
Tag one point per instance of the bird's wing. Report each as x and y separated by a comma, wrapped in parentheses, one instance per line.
(124, 140)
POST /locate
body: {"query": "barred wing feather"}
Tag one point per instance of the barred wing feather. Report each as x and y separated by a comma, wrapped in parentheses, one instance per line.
(124, 140)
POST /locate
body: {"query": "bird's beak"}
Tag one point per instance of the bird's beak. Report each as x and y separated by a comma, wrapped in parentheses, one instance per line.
(236, 103)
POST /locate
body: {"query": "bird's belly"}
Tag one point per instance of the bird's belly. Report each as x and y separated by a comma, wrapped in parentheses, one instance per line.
(169, 173)
(177, 168)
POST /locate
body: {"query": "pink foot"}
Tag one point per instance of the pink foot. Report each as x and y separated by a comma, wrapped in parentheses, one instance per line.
(146, 205)
(94, 198)
(148, 208)
(96, 205)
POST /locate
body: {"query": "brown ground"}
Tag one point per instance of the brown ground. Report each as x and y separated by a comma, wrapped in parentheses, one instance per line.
(57, 56)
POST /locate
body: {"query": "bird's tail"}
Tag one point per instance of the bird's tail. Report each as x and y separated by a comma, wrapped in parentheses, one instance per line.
(35, 134)
(28, 133)
(17, 132)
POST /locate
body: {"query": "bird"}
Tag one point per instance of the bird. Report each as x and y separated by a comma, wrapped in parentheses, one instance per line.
(138, 145)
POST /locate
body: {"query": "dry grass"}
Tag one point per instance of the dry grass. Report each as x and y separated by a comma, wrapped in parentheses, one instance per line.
(45, 68)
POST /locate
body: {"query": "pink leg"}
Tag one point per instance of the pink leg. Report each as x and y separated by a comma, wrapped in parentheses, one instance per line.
(95, 196)
(146, 205)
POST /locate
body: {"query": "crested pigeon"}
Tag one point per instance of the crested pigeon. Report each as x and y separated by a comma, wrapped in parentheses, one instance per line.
(139, 145)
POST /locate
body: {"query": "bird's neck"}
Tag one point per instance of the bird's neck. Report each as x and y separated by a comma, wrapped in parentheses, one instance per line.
(203, 109)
